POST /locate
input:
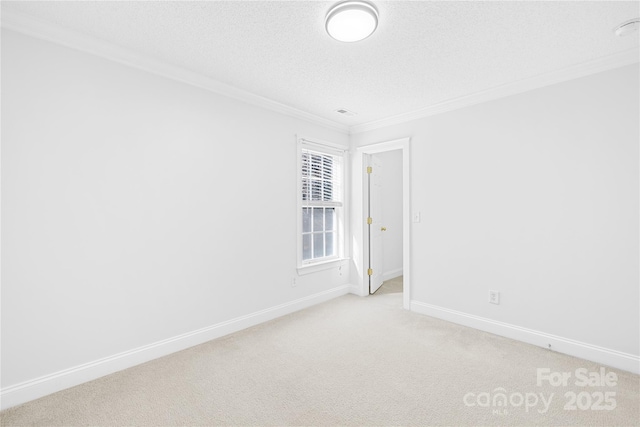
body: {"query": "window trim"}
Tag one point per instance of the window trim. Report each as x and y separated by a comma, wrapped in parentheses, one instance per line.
(323, 147)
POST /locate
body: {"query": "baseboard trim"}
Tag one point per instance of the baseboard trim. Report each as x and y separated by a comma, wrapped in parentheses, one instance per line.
(392, 274)
(39, 387)
(358, 290)
(605, 356)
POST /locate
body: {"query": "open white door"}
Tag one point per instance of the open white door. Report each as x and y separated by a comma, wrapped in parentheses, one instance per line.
(374, 173)
(363, 257)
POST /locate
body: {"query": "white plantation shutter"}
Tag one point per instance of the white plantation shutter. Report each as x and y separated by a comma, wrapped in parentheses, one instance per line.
(321, 201)
(321, 180)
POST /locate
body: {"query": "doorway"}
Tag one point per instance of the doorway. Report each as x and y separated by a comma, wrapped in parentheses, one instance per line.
(385, 214)
(363, 235)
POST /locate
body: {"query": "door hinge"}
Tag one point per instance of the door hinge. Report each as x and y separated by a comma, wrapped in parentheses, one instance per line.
(369, 220)
(369, 169)
(370, 272)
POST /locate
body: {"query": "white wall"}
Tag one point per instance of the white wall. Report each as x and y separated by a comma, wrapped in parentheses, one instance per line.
(536, 196)
(136, 209)
(133, 210)
(392, 212)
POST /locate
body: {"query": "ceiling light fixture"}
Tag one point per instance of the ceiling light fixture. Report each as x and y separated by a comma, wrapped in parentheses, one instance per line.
(351, 21)
(627, 27)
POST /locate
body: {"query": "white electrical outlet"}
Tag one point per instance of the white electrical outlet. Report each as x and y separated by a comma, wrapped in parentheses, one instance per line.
(494, 297)
(294, 283)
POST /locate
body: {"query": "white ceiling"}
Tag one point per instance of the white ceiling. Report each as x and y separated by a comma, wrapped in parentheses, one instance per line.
(423, 53)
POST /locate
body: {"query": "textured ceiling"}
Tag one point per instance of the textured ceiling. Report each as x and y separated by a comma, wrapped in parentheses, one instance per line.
(422, 53)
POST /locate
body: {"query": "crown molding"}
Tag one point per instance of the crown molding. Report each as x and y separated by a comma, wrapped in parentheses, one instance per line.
(37, 28)
(33, 27)
(609, 62)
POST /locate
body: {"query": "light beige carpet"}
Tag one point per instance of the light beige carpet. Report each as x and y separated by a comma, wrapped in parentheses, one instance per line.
(350, 361)
(390, 286)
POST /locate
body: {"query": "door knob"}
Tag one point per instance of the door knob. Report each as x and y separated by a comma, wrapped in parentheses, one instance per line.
(383, 228)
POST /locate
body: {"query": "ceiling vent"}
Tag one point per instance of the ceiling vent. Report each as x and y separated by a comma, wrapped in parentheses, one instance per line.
(345, 112)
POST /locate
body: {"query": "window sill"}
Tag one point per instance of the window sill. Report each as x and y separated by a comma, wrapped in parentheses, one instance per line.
(323, 265)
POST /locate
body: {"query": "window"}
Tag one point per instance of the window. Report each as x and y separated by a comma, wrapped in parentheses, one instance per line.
(321, 203)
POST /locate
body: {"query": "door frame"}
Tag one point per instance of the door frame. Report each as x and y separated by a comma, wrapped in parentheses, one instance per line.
(360, 236)
(374, 231)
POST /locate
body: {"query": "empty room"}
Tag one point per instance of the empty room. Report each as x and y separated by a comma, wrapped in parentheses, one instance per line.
(320, 213)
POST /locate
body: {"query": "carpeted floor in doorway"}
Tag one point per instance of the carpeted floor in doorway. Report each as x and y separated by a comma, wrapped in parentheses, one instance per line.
(390, 286)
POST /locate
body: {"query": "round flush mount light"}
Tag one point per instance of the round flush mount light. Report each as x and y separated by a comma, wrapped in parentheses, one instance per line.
(351, 21)
(627, 27)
